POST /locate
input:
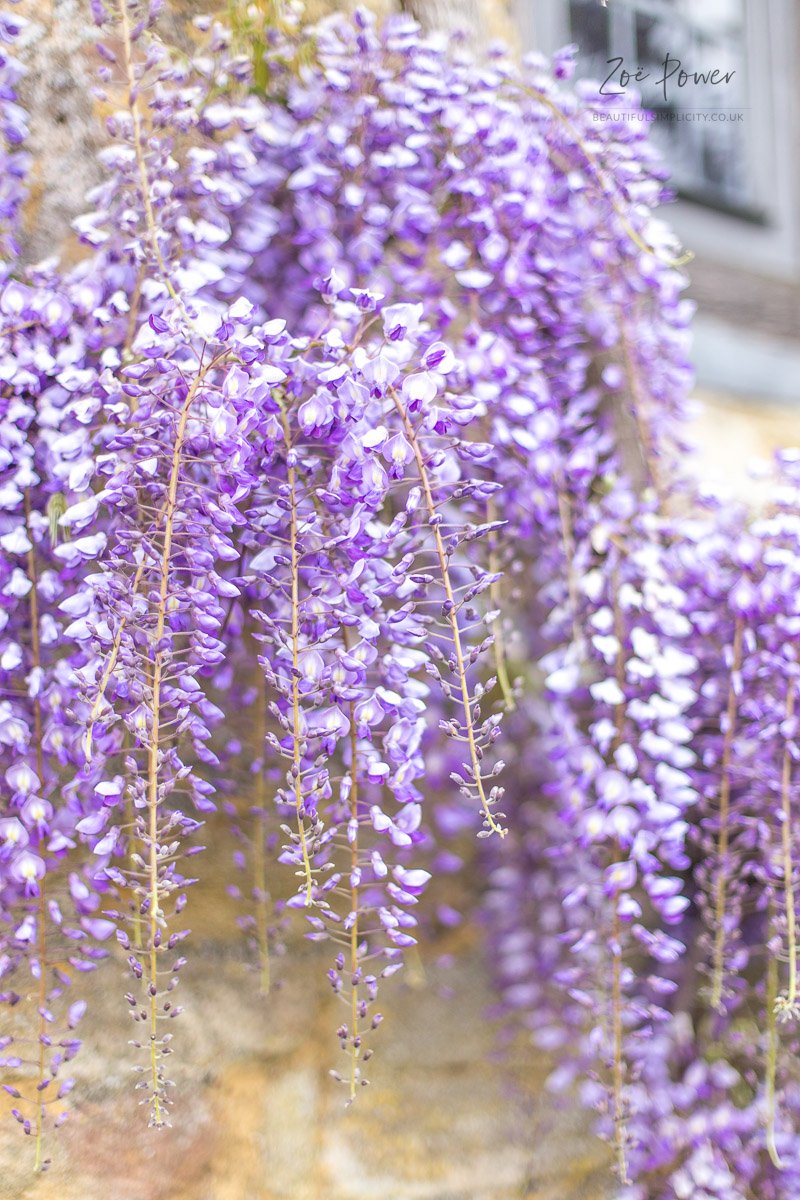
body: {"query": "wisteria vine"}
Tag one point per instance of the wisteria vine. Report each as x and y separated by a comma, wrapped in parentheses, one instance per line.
(359, 429)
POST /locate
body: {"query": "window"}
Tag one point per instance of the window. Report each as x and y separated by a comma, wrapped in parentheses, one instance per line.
(701, 125)
(730, 145)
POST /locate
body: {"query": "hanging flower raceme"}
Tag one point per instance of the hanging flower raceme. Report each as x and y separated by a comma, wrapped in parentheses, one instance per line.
(364, 422)
(175, 472)
(765, 760)
(47, 934)
(487, 190)
(13, 132)
(625, 790)
(348, 620)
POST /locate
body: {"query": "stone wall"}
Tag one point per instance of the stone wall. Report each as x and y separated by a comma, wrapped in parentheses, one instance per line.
(257, 1115)
(755, 303)
(66, 126)
(65, 133)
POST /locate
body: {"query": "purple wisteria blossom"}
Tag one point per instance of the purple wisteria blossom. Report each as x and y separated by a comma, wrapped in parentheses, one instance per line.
(46, 414)
(342, 490)
(14, 160)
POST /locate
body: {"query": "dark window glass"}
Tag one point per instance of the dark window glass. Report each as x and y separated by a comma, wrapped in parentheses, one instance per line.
(589, 22)
(706, 149)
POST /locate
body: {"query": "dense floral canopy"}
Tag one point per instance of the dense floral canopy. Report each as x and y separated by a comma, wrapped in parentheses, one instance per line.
(360, 427)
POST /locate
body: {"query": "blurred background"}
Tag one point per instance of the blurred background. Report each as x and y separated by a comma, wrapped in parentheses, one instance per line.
(732, 146)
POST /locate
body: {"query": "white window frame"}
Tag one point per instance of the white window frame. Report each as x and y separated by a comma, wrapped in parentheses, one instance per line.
(771, 247)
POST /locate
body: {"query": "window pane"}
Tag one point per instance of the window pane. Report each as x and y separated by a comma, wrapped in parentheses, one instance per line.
(591, 19)
(679, 44)
(713, 17)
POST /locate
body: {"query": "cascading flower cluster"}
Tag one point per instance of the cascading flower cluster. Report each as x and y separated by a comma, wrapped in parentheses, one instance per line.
(49, 924)
(346, 466)
(357, 599)
(13, 131)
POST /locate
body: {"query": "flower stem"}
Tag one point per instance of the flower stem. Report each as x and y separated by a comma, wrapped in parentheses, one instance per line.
(41, 922)
(138, 145)
(618, 1050)
(112, 658)
(723, 846)
(495, 594)
(452, 614)
(260, 854)
(643, 429)
(133, 853)
(605, 182)
(354, 904)
(568, 544)
(155, 915)
(788, 864)
(772, 1060)
(295, 636)
(620, 1132)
